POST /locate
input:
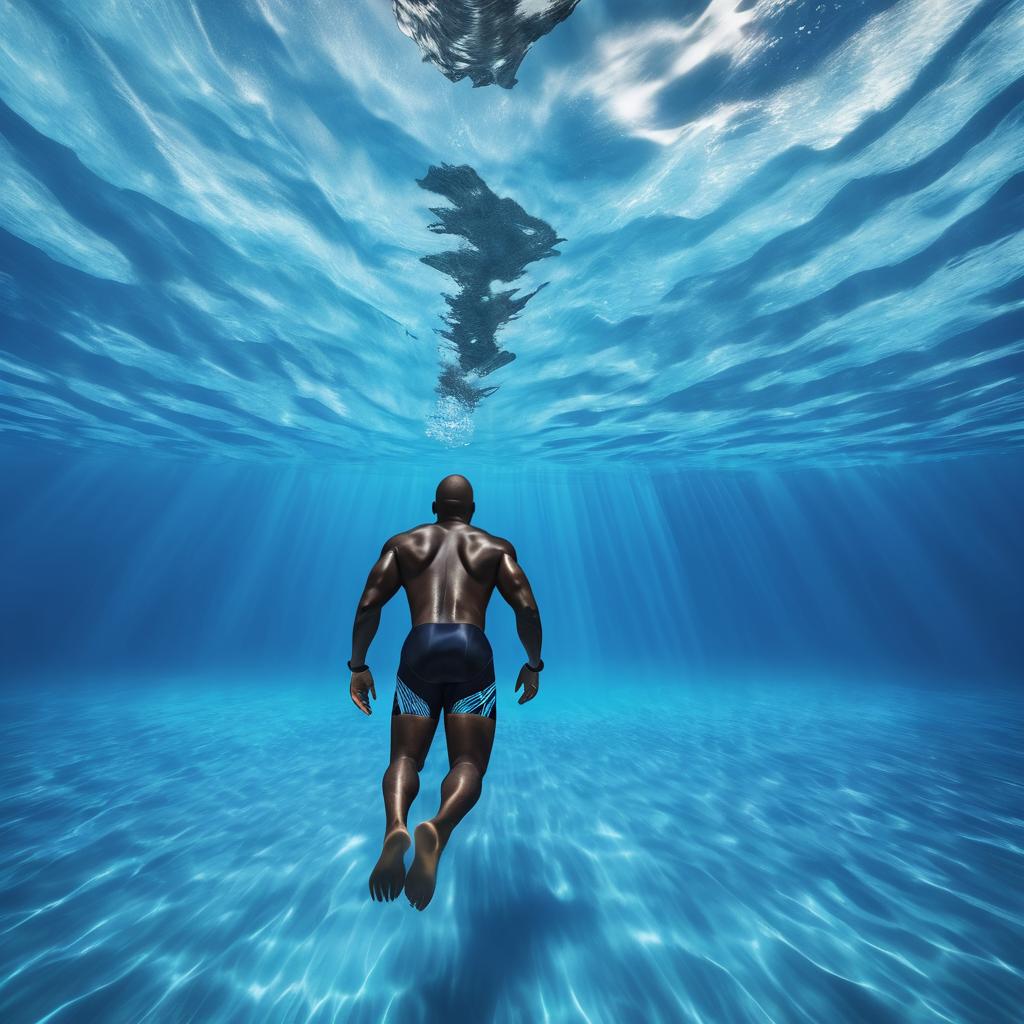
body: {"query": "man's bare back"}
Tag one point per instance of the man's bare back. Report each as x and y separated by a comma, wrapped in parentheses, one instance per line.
(449, 571)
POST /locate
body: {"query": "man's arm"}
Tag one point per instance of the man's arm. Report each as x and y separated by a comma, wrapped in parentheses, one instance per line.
(515, 588)
(381, 585)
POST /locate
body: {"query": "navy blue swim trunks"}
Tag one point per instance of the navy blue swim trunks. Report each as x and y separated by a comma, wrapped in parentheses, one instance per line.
(446, 666)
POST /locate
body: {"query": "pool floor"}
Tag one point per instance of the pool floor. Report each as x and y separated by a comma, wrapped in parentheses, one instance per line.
(761, 853)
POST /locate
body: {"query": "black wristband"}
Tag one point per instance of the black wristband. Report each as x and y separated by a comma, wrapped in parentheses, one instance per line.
(356, 668)
(539, 668)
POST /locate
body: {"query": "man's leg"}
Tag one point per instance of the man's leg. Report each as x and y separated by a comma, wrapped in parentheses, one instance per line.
(411, 736)
(470, 738)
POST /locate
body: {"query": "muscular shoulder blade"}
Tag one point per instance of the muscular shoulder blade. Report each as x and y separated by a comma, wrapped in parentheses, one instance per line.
(420, 548)
(479, 554)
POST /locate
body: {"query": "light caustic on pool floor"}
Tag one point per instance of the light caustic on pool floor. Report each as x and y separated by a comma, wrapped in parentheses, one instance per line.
(755, 857)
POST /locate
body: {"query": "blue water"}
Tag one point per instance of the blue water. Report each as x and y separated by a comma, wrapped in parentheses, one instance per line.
(719, 306)
(792, 231)
(777, 855)
(774, 772)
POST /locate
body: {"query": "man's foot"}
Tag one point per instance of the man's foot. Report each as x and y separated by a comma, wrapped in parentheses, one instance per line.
(388, 876)
(422, 877)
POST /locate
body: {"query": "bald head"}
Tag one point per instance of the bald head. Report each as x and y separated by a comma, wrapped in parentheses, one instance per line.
(454, 498)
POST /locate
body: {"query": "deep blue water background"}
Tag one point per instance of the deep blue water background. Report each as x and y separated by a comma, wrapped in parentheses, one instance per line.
(903, 573)
(759, 451)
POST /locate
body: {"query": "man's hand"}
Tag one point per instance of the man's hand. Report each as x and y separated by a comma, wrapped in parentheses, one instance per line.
(359, 687)
(530, 682)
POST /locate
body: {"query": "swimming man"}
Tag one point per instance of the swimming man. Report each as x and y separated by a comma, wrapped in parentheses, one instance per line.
(449, 570)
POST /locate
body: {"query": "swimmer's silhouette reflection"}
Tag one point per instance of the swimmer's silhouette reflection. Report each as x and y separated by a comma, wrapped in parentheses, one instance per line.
(504, 239)
(484, 40)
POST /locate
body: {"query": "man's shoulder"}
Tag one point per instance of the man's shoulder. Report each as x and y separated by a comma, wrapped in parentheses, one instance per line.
(492, 540)
(410, 536)
(421, 529)
(428, 533)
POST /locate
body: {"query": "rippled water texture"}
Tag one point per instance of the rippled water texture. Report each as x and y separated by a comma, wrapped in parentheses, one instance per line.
(792, 229)
(769, 855)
